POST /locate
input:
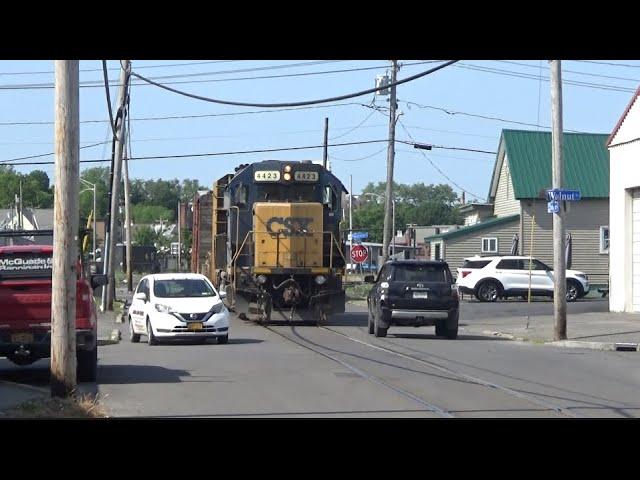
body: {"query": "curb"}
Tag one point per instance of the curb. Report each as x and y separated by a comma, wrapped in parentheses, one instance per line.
(602, 346)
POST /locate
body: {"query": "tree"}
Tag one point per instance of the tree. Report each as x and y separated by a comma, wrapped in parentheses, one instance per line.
(142, 213)
(418, 204)
(36, 189)
(100, 176)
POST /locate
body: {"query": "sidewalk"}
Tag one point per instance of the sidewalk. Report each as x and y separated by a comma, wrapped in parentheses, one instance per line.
(594, 330)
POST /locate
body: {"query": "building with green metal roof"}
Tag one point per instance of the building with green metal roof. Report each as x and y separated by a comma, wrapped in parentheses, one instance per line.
(521, 176)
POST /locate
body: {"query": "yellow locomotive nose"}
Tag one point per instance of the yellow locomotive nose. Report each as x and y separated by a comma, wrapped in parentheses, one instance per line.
(288, 235)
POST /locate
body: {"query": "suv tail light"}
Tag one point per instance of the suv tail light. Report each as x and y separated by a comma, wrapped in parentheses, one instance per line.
(465, 273)
(454, 292)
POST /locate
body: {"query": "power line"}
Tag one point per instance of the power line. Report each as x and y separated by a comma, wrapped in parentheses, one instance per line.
(356, 127)
(181, 117)
(333, 157)
(485, 117)
(97, 83)
(608, 63)
(294, 104)
(212, 154)
(574, 72)
(106, 88)
(512, 73)
(51, 72)
(6, 162)
(434, 165)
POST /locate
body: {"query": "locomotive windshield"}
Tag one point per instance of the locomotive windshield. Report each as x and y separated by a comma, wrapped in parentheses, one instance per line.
(282, 193)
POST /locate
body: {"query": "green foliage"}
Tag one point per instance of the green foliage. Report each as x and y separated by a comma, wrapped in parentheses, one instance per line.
(142, 213)
(36, 188)
(100, 176)
(418, 204)
(144, 236)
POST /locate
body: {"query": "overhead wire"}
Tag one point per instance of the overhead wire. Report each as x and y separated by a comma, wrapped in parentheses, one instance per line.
(106, 88)
(434, 165)
(294, 104)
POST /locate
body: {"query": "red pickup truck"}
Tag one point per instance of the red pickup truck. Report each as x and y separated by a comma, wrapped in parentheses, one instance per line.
(26, 260)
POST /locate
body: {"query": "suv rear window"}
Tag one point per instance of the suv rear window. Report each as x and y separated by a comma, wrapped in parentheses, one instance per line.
(476, 263)
(421, 273)
(25, 265)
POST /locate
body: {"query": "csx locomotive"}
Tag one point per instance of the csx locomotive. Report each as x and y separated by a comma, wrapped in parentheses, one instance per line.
(276, 246)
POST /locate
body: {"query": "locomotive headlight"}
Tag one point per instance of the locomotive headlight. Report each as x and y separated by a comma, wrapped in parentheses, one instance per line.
(320, 279)
(287, 176)
(261, 279)
(287, 168)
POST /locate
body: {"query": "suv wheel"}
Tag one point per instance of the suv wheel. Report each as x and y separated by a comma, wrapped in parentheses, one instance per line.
(451, 326)
(574, 291)
(378, 331)
(488, 291)
(440, 328)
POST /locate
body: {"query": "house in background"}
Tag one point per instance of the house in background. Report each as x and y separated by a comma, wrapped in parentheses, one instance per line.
(32, 219)
(521, 176)
(624, 210)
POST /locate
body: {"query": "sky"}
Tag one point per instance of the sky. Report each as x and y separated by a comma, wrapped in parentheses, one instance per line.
(595, 94)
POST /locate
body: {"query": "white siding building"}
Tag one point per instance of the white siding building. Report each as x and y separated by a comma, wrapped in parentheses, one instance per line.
(624, 215)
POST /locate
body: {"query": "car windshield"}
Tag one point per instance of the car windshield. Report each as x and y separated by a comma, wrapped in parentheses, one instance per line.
(182, 287)
(420, 273)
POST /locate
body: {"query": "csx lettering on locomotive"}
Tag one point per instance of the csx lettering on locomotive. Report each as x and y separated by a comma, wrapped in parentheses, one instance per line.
(290, 226)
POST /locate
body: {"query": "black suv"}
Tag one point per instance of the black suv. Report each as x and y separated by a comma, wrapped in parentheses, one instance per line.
(416, 293)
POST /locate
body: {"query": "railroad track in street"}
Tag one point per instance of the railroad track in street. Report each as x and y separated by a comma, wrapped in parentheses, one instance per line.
(439, 410)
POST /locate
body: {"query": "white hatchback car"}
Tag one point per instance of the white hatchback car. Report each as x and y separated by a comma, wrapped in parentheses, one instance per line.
(178, 305)
(493, 277)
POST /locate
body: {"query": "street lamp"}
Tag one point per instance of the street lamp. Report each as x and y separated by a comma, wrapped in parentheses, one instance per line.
(393, 221)
(92, 187)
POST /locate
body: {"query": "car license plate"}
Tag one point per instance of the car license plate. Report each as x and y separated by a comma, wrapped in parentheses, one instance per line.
(22, 338)
(194, 326)
(420, 295)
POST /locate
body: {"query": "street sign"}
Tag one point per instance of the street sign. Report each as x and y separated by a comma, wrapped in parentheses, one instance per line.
(359, 235)
(553, 207)
(359, 254)
(559, 194)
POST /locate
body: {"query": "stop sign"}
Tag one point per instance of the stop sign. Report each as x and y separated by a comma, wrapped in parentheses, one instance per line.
(359, 254)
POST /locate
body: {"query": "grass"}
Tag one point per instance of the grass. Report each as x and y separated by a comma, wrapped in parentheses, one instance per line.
(83, 406)
(357, 292)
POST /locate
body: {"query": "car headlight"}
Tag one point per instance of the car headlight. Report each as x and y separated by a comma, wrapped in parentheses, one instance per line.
(163, 308)
(217, 308)
(320, 279)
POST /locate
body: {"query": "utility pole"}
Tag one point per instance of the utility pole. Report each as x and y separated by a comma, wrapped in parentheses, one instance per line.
(120, 138)
(325, 152)
(390, 159)
(349, 259)
(66, 227)
(559, 266)
(180, 238)
(127, 219)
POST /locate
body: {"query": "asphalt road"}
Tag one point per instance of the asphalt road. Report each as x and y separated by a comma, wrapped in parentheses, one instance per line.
(340, 371)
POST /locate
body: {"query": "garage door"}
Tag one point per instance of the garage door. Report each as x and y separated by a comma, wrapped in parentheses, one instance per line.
(636, 250)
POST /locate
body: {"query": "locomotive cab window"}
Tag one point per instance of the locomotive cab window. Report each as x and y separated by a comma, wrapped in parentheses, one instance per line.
(241, 196)
(329, 197)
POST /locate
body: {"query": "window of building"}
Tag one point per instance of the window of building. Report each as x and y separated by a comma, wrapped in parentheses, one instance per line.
(604, 239)
(490, 245)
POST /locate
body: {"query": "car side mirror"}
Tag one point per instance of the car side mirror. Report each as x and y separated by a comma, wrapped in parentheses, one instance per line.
(369, 279)
(222, 294)
(98, 280)
(140, 296)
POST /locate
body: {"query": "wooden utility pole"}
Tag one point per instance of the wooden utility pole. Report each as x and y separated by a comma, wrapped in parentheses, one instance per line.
(127, 219)
(120, 139)
(388, 208)
(180, 238)
(559, 266)
(65, 228)
(325, 152)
